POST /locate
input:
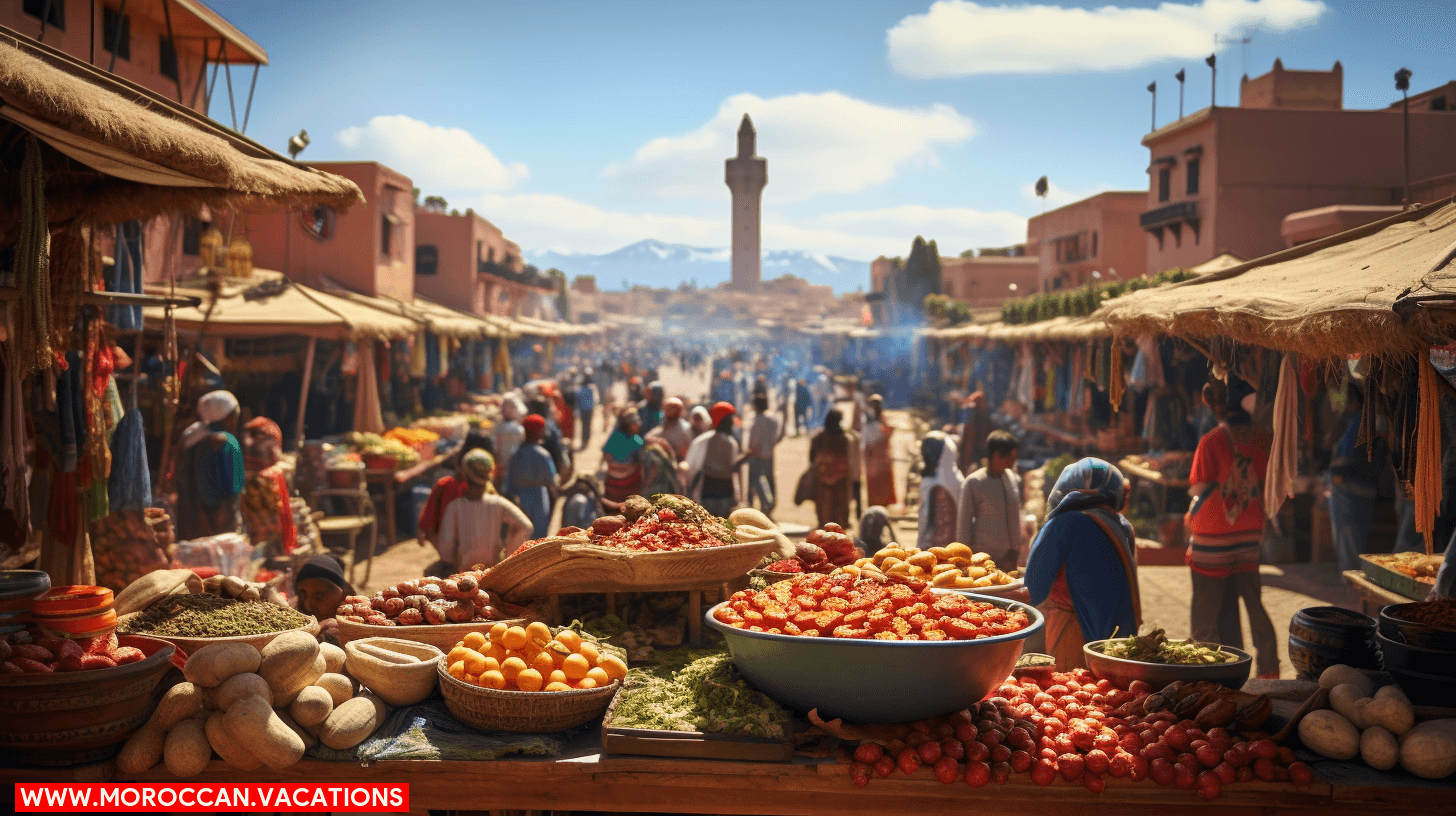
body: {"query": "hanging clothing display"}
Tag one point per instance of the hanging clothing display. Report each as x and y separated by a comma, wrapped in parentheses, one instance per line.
(126, 275)
(1284, 452)
(14, 473)
(419, 363)
(368, 414)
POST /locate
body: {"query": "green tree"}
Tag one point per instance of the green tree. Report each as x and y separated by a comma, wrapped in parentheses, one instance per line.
(436, 203)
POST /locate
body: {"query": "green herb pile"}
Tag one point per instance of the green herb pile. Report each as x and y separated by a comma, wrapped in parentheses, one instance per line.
(1154, 647)
(697, 690)
(210, 616)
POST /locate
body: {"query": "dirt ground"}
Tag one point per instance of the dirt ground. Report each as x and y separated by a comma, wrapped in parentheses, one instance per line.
(1165, 589)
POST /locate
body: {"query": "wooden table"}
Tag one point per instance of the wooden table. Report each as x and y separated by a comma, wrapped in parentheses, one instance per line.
(1161, 483)
(392, 480)
(583, 780)
(1372, 595)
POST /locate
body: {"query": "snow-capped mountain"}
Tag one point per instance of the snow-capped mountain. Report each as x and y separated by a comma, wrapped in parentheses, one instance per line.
(660, 265)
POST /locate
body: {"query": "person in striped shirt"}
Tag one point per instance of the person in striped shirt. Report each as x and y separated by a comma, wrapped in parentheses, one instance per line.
(1226, 525)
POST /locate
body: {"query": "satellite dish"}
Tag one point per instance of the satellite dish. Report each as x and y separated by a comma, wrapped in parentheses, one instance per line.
(296, 144)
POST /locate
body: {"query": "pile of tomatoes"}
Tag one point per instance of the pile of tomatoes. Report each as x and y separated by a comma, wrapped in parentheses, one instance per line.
(664, 533)
(814, 605)
(1073, 727)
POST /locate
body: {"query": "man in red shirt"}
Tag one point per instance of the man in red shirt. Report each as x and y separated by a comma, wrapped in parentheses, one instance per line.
(448, 489)
(1226, 526)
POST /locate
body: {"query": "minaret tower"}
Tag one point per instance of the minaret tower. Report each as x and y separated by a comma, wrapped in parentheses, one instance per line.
(746, 176)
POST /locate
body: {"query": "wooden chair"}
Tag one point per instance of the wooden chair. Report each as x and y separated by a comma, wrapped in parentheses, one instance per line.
(353, 525)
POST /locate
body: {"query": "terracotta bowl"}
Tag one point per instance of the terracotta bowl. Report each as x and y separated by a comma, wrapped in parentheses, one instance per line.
(71, 718)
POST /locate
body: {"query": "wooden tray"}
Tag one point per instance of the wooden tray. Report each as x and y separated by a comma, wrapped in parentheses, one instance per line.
(590, 568)
(1394, 581)
(692, 744)
(504, 577)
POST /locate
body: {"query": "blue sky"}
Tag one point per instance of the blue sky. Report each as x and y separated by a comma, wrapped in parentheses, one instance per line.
(586, 126)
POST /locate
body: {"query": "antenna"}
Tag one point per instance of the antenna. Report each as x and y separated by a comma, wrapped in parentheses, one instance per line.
(1229, 39)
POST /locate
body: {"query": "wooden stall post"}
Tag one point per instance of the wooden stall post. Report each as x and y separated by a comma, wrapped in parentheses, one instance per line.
(303, 392)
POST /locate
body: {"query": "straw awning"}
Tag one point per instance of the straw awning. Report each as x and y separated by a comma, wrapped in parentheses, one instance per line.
(537, 327)
(119, 152)
(439, 320)
(1383, 288)
(1056, 329)
(295, 309)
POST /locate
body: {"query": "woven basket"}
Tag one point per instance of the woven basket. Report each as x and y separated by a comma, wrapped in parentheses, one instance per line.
(442, 637)
(189, 645)
(523, 712)
(505, 576)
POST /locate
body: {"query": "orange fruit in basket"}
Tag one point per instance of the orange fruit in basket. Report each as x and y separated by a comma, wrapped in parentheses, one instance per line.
(557, 687)
(543, 663)
(457, 670)
(493, 679)
(514, 638)
(473, 640)
(557, 677)
(586, 683)
(491, 664)
(498, 631)
(558, 652)
(569, 638)
(472, 679)
(598, 675)
(590, 651)
(613, 666)
(529, 680)
(512, 666)
(576, 666)
(457, 654)
(538, 633)
(474, 661)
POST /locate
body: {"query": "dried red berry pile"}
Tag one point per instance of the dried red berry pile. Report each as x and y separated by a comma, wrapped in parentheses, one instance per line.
(1073, 727)
(662, 533)
(813, 605)
(22, 653)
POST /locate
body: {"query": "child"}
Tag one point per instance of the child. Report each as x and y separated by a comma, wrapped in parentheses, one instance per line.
(990, 511)
(479, 523)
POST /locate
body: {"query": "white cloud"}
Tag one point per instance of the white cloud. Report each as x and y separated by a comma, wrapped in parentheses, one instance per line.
(959, 38)
(537, 221)
(1057, 196)
(438, 159)
(816, 144)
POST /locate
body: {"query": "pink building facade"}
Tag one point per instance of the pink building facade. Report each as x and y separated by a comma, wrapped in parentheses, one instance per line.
(1099, 235)
(369, 250)
(465, 262)
(986, 281)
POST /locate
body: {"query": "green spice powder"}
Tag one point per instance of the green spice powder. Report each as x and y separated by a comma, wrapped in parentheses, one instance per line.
(210, 616)
(704, 695)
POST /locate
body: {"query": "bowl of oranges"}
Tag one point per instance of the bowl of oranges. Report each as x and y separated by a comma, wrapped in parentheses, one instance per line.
(529, 679)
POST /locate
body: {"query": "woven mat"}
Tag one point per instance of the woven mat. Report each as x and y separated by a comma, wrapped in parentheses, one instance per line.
(427, 731)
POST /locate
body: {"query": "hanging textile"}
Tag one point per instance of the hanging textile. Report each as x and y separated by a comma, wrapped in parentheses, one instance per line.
(418, 364)
(14, 473)
(1284, 452)
(368, 415)
(1104, 366)
(71, 414)
(504, 374)
(1426, 489)
(130, 485)
(32, 337)
(432, 357)
(1116, 384)
(126, 275)
(444, 356)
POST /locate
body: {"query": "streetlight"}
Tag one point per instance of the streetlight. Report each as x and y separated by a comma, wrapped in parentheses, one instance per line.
(1153, 89)
(1212, 63)
(1180, 76)
(1402, 84)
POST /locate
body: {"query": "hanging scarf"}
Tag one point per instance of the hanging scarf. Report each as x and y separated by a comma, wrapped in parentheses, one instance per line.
(1284, 452)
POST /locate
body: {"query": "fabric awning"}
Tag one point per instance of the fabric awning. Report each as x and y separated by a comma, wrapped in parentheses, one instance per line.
(123, 152)
(295, 309)
(440, 320)
(1384, 288)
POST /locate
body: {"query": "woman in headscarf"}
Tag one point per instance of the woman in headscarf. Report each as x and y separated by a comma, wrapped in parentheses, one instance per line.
(829, 456)
(711, 464)
(267, 509)
(623, 458)
(480, 525)
(447, 490)
(940, 491)
(320, 587)
(530, 479)
(1082, 570)
(210, 473)
(879, 469)
(508, 433)
(700, 421)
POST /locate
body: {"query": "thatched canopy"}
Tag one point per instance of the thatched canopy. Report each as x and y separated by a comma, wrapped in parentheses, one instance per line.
(114, 151)
(1385, 288)
(289, 308)
(440, 320)
(1057, 329)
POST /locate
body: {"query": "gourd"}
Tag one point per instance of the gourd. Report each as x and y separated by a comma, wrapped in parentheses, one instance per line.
(1393, 714)
(182, 701)
(187, 750)
(1329, 734)
(305, 734)
(339, 687)
(143, 751)
(352, 722)
(334, 658)
(231, 752)
(1429, 749)
(1350, 703)
(237, 687)
(252, 722)
(290, 662)
(313, 705)
(211, 665)
(1340, 674)
(1379, 749)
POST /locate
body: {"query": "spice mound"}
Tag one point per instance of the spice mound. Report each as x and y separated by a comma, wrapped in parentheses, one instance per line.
(200, 616)
(697, 692)
(841, 606)
(1154, 647)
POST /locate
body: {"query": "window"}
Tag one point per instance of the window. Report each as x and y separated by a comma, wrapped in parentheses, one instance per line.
(479, 245)
(1164, 179)
(116, 33)
(1193, 166)
(427, 259)
(319, 222)
(192, 236)
(386, 232)
(1438, 103)
(167, 57)
(51, 12)
(1094, 243)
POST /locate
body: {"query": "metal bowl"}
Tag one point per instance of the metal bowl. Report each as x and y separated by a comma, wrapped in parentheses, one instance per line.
(876, 681)
(1416, 634)
(1121, 671)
